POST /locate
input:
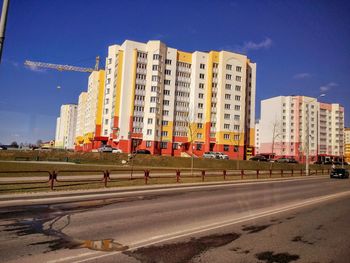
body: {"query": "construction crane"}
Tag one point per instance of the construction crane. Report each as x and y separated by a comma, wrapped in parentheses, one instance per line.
(62, 67)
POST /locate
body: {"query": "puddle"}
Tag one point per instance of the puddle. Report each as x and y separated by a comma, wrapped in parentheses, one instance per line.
(300, 239)
(181, 252)
(254, 229)
(270, 257)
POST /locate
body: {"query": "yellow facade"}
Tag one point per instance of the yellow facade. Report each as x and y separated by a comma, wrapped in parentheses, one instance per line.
(185, 57)
(119, 83)
(101, 86)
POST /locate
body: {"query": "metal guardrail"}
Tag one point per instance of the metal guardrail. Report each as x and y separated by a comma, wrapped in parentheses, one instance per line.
(118, 175)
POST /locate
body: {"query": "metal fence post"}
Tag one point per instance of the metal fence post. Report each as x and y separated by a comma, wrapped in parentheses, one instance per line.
(177, 175)
(203, 175)
(52, 179)
(281, 172)
(270, 173)
(146, 176)
(257, 174)
(292, 172)
(105, 177)
(242, 173)
(224, 173)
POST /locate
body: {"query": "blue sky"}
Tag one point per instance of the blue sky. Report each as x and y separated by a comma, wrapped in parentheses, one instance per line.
(300, 47)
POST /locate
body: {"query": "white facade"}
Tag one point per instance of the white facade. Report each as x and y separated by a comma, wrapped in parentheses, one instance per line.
(287, 121)
(82, 103)
(152, 91)
(66, 126)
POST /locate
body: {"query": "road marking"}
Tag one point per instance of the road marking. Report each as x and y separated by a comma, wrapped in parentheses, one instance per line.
(189, 232)
(171, 188)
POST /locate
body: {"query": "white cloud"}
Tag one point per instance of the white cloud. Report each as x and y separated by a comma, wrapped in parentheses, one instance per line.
(303, 75)
(250, 45)
(328, 86)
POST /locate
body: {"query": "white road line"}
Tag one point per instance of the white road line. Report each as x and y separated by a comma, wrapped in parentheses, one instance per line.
(189, 232)
(175, 188)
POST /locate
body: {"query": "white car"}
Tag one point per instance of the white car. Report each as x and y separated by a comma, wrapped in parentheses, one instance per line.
(116, 150)
(222, 156)
(209, 155)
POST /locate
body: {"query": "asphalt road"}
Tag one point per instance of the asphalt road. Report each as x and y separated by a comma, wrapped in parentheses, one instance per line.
(300, 220)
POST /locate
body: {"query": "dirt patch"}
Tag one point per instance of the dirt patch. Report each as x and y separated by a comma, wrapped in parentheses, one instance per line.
(255, 229)
(181, 252)
(300, 239)
(270, 257)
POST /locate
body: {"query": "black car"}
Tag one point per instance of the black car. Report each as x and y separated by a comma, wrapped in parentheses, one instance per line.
(339, 173)
(142, 151)
(258, 158)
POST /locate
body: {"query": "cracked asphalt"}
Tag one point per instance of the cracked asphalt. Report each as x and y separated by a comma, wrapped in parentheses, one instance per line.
(231, 223)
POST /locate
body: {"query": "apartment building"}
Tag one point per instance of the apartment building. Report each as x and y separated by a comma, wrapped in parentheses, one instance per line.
(347, 145)
(90, 107)
(66, 127)
(174, 102)
(80, 126)
(292, 125)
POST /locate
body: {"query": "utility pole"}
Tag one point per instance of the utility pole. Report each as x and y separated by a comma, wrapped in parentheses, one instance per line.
(3, 19)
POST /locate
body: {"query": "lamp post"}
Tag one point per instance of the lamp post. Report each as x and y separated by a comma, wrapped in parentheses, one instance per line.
(3, 19)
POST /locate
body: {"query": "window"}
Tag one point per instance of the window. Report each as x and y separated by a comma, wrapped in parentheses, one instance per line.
(237, 97)
(165, 123)
(153, 99)
(227, 106)
(163, 145)
(107, 101)
(226, 126)
(239, 69)
(226, 148)
(148, 144)
(149, 131)
(228, 86)
(107, 91)
(164, 133)
(228, 67)
(236, 137)
(235, 148)
(152, 110)
(109, 61)
(199, 146)
(106, 121)
(167, 81)
(108, 81)
(201, 76)
(200, 115)
(106, 111)
(156, 56)
(155, 78)
(228, 76)
(149, 120)
(200, 105)
(238, 88)
(215, 65)
(166, 102)
(227, 96)
(238, 78)
(200, 95)
(105, 132)
(199, 125)
(167, 72)
(165, 112)
(236, 127)
(202, 66)
(237, 107)
(168, 61)
(201, 85)
(154, 88)
(226, 136)
(166, 92)
(227, 116)
(155, 67)
(199, 136)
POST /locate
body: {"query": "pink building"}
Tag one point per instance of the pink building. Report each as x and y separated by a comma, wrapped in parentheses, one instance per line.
(287, 121)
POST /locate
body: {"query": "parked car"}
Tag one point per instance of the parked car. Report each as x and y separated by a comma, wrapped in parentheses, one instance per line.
(142, 151)
(2, 147)
(339, 173)
(286, 160)
(258, 158)
(209, 155)
(220, 155)
(116, 150)
(105, 149)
